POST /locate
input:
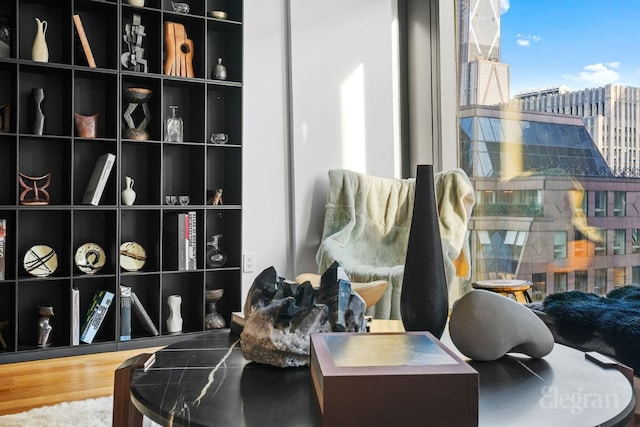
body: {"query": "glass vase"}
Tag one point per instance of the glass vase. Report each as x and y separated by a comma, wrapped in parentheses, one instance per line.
(215, 256)
(173, 126)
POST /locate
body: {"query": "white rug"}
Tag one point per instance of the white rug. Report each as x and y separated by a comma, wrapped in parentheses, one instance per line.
(89, 413)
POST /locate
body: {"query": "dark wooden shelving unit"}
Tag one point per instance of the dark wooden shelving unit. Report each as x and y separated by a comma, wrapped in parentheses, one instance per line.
(195, 167)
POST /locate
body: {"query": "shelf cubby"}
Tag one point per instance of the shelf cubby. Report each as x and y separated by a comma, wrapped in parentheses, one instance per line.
(194, 167)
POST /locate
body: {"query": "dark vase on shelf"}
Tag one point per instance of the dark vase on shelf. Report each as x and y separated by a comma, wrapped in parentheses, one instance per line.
(38, 95)
(424, 297)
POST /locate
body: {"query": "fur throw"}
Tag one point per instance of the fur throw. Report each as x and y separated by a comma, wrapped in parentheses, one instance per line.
(579, 316)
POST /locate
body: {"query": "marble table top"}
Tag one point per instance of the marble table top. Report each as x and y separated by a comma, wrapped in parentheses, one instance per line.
(205, 380)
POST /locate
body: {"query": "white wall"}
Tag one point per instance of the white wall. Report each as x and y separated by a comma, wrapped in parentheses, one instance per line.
(342, 97)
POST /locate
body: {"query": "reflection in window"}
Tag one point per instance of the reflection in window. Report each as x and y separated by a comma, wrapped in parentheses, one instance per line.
(560, 282)
(600, 203)
(581, 280)
(560, 244)
(600, 246)
(619, 277)
(619, 203)
(619, 241)
(635, 240)
(539, 287)
(635, 275)
(600, 282)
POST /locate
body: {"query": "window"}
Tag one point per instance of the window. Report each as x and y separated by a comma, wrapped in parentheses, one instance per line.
(560, 282)
(619, 203)
(635, 241)
(619, 241)
(635, 275)
(581, 280)
(537, 164)
(619, 276)
(600, 245)
(560, 244)
(600, 282)
(600, 203)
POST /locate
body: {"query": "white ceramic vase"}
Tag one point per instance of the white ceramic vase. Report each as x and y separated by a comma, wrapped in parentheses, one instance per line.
(138, 3)
(174, 321)
(40, 51)
(128, 194)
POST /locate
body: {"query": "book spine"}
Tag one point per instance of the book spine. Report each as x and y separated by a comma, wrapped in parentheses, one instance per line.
(102, 182)
(125, 313)
(84, 41)
(183, 236)
(98, 179)
(3, 240)
(142, 314)
(95, 315)
(192, 249)
(75, 316)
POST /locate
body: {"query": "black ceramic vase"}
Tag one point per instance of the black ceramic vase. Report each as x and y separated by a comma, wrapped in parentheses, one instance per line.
(37, 94)
(424, 298)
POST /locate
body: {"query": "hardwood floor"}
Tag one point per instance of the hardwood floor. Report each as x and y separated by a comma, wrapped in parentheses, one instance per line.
(27, 385)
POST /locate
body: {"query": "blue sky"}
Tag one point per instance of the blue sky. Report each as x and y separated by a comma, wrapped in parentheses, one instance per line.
(576, 43)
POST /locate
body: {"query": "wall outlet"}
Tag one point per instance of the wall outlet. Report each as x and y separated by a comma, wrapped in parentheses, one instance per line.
(248, 263)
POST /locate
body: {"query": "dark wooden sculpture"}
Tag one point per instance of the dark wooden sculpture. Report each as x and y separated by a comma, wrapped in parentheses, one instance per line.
(35, 189)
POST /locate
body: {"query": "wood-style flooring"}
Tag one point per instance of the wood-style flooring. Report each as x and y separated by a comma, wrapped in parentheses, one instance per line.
(27, 385)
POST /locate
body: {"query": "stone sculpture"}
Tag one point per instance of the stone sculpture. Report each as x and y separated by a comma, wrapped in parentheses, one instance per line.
(281, 315)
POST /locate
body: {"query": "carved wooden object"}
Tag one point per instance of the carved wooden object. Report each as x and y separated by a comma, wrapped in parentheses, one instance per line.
(179, 61)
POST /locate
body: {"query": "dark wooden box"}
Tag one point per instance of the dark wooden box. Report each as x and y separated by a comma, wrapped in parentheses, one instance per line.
(383, 379)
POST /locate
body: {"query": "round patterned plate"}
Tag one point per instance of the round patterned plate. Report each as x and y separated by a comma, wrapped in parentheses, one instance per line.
(40, 261)
(132, 256)
(90, 258)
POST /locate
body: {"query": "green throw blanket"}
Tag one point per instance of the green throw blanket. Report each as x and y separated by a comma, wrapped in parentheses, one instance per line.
(367, 222)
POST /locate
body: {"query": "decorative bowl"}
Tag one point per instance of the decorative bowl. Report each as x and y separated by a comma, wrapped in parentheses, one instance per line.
(218, 14)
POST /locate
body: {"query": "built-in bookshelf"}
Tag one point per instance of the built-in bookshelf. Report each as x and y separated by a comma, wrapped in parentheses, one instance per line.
(200, 166)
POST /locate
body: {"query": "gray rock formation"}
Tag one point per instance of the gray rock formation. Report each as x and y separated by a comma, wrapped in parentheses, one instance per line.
(280, 316)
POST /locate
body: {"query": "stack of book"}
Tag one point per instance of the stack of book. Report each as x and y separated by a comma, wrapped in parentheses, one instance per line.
(187, 241)
(131, 302)
(95, 315)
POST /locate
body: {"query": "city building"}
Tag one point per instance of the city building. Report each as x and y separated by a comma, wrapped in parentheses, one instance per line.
(548, 209)
(484, 80)
(611, 115)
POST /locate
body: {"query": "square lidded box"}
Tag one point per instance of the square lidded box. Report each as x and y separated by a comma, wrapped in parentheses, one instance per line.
(407, 378)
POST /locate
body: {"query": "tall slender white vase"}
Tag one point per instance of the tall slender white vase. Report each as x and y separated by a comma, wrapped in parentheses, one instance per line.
(128, 194)
(174, 321)
(40, 50)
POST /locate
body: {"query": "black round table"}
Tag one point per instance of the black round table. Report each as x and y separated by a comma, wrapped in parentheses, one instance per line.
(206, 381)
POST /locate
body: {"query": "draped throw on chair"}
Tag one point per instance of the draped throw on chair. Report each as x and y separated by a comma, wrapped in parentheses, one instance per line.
(367, 222)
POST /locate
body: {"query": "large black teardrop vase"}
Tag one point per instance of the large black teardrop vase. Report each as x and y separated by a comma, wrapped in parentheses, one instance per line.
(424, 297)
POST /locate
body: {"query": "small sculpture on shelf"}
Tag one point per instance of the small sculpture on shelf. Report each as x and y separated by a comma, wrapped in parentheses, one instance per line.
(219, 138)
(135, 97)
(40, 50)
(133, 33)
(44, 326)
(38, 97)
(34, 189)
(217, 197)
(5, 110)
(213, 319)
(173, 126)
(86, 126)
(128, 194)
(219, 71)
(215, 256)
(174, 321)
(180, 7)
(179, 60)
